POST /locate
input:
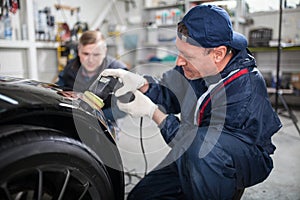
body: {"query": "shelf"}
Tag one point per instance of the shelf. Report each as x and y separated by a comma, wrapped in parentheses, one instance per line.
(167, 26)
(46, 45)
(160, 32)
(14, 44)
(200, 1)
(159, 44)
(164, 6)
(18, 44)
(268, 49)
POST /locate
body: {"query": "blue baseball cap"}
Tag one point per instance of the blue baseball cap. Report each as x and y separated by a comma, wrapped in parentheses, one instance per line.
(210, 26)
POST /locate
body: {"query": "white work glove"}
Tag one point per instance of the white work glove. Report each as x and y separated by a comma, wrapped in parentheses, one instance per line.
(139, 107)
(131, 81)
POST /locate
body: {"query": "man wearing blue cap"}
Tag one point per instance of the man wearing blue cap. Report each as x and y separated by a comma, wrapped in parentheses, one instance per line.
(222, 142)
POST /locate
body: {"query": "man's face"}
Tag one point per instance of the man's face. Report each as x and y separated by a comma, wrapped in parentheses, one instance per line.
(91, 56)
(195, 61)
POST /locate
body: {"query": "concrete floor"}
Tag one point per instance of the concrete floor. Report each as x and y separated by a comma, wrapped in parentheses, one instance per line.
(282, 184)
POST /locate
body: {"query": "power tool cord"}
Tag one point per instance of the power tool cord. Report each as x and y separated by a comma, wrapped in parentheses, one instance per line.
(132, 174)
(142, 146)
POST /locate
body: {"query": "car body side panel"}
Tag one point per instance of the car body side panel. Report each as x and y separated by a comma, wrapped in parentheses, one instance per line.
(27, 102)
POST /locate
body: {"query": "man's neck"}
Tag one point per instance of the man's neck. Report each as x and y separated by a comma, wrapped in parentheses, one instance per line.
(89, 74)
(221, 65)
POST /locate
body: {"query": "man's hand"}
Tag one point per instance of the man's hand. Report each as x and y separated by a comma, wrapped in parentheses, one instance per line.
(139, 107)
(131, 81)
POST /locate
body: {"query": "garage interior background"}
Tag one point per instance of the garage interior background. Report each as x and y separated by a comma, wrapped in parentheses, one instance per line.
(140, 33)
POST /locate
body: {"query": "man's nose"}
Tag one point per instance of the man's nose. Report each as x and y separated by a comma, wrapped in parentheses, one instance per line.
(180, 61)
(90, 57)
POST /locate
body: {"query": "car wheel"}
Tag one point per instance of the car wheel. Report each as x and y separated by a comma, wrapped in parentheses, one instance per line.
(42, 164)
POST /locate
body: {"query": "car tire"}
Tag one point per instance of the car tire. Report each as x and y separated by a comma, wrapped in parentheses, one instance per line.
(43, 164)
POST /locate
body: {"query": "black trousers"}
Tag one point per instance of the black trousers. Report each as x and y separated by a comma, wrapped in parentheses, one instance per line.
(159, 184)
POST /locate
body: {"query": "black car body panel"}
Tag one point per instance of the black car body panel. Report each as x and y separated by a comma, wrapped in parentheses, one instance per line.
(26, 102)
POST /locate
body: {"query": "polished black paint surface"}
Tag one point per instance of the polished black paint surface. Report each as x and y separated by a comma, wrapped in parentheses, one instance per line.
(16, 93)
(30, 102)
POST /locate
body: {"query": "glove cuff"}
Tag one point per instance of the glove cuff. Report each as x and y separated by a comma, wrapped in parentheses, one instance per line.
(142, 82)
(152, 110)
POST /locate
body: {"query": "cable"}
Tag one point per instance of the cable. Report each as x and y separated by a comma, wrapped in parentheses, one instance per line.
(142, 146)
(132, 174)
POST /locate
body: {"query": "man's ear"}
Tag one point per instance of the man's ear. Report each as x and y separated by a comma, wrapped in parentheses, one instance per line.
(219, 53)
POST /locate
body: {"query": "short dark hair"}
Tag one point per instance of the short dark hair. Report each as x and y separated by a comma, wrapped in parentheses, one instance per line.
(181, 28)
(91, 37)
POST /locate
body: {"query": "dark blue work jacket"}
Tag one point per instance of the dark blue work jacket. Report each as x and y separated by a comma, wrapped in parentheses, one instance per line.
(230, 108)
(73, 78)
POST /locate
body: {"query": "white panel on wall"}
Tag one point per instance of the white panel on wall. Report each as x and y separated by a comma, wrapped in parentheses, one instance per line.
(47, 64)
(16, 68)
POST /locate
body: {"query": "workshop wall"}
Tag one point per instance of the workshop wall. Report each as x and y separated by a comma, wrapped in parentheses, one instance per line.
(110, 17)
(35, 53)
(98, 14)
(290, 25)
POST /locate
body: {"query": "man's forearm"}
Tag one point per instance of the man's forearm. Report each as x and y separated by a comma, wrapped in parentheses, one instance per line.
(158, 116)
(145, 87)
